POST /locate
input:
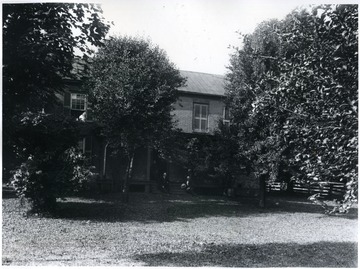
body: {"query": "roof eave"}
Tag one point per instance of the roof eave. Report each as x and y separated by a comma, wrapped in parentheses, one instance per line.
(203, 94)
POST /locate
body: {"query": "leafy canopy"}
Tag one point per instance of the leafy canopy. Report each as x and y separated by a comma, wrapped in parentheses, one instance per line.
(133, 86)
(300, 111)
(39, 45)
(40, 42)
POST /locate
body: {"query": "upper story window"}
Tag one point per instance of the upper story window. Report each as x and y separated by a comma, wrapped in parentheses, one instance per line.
(226, 116)
(201, 112)
(78, 101)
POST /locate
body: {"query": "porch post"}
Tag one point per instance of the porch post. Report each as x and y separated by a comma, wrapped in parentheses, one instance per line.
(148, 168)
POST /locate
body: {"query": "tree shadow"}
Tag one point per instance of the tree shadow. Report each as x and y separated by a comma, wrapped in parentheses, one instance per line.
(168, 208)
(321, 254)
(93, 211)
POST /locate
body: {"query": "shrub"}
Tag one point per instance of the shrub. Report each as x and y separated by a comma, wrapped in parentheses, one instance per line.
(52, 167)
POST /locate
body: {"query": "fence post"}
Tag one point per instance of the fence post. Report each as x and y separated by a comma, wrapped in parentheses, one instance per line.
(331, 191)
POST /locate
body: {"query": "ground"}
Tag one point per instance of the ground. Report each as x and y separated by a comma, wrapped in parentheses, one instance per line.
(180, 230)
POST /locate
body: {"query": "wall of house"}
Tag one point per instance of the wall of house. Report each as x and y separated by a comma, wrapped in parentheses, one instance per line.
(184, 108)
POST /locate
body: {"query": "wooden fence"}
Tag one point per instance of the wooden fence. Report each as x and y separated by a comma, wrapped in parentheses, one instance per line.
(326, 189)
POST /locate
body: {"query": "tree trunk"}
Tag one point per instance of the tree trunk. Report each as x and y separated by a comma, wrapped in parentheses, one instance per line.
(104, 161)
(262, 181)
(128, 177)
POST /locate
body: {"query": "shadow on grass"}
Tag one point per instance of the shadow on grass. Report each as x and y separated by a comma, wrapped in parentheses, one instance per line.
(168, 208)
(321, 254)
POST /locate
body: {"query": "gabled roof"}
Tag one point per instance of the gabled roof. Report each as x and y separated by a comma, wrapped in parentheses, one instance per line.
(202, 83)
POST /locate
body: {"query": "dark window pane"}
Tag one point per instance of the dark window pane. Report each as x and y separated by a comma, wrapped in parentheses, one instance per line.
(203, 111)
(226, 113)
(197, 110)
(203, 125)
(197, 124)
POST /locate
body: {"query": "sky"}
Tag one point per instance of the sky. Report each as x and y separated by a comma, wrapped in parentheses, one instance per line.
(196, 34)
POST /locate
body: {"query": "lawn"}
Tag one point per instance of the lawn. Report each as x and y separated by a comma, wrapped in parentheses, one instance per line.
(179, 230)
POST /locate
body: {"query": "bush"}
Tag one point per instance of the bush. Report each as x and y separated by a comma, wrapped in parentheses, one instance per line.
(52, 167)
(41, 179)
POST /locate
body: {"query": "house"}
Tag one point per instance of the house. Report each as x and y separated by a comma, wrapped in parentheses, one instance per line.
(199, 107)
(198, 110)
(201, 103)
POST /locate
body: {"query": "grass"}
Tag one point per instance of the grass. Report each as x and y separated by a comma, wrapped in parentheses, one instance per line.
(180, 230)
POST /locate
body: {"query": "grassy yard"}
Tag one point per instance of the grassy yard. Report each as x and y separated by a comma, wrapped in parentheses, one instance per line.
(180, 230)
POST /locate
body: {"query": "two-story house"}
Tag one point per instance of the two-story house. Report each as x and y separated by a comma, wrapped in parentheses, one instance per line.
(197, 111)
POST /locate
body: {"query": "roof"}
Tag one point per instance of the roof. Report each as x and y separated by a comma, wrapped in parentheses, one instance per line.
(202, 83)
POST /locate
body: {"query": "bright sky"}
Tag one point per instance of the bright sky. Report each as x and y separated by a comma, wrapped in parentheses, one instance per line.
(195, 34)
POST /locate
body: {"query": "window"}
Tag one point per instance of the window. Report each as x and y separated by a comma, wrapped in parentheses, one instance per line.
(84, 146)
(201, 117)
(81, 145)
(226, 116)
(78, 101)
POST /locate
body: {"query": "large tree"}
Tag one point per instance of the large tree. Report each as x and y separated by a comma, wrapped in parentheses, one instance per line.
(40, 41)
(246, 83)
(304, 115)
(133, 86)
(318, 90)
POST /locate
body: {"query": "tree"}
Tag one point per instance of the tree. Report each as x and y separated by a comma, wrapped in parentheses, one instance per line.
(133, 86)
(223, 156)
(306, 113)
(40, 41)
(247, 83)
(318, 88)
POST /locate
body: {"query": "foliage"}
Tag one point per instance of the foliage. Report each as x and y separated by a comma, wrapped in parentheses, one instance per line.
(303, 112)
(40, 41)
(196, 156)
(246, 84)
(53, 167)
(223, 155)
(133, 86)
(214, 157)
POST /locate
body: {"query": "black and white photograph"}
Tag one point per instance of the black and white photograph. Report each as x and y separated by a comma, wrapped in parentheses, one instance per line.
(180, 133)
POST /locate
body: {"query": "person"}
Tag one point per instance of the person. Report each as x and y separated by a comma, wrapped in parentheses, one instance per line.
(165, 183)
(188, 185)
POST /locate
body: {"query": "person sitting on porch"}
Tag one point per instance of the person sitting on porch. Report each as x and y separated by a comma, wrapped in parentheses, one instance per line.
(165, 183)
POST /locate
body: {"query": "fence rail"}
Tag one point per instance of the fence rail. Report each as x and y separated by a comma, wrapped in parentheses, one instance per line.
(325, 189)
